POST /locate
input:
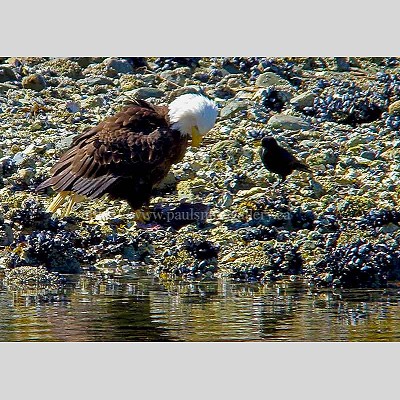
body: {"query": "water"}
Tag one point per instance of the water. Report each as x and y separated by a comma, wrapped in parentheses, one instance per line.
(145, 308)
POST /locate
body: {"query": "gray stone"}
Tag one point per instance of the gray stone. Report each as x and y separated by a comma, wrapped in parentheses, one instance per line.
(389, 228)
(184, 90)
(268, 79)
(4, 87)
(370, 155)
(289, 122)
(115, 67)
(96, 80)
(232, 107)
(146, 92)
(356, 140)
(303, 100)
(73, 107)
(178, 75)
(6, 234)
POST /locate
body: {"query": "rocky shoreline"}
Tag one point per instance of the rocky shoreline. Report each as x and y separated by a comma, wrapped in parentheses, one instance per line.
(338, 227)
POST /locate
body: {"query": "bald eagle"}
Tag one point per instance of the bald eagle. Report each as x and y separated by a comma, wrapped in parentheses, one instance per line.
(128, 153)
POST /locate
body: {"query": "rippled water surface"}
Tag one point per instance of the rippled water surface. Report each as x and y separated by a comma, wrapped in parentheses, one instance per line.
(144, 308)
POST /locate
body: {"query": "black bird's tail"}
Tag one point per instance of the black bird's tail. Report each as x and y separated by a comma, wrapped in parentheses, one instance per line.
(301, 167)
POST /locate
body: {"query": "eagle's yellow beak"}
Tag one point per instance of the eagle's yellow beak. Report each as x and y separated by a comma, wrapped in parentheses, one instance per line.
(196, 137)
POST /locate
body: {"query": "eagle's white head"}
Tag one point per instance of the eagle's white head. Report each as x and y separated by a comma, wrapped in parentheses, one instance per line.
(193, 115)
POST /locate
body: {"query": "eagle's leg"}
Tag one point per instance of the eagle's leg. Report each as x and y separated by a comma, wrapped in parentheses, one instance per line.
(57, 202)
(74, 198)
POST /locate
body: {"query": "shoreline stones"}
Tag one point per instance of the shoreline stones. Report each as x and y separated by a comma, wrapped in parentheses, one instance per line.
(345, 125)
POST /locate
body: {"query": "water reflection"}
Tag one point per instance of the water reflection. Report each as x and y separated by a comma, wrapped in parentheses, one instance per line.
(144, 308)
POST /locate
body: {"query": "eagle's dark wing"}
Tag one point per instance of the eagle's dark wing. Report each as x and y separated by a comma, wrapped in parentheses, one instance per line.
(132, 143)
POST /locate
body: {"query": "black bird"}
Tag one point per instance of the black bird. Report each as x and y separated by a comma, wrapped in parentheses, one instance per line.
(278, 160)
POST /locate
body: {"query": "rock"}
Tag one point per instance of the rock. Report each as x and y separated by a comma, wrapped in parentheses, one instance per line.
(64, 67)
(4, 87)
(73, 107)
(92, 102)
(178, 75)
(115, 66)
(96, 80)
(394, 108)
(84, 62)
(342, 64)
(6, 234)
(185, 90)
(317, 189)
(268, 79)
(26, 174)
(232, 107)
(6, 74)
(146, 92)
(226, 200)
(34, 82)
(370, 155)
(303, 100)
(289, 122)
(389, 228)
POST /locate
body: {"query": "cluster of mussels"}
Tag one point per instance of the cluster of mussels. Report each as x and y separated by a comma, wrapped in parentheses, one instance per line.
(59, 246)
(358, 264)
(345, 103)
(169, 63)
(377, 218)
(254, 66)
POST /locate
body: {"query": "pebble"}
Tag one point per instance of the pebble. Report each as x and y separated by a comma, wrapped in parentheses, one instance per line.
(303, 100)
(7, 74)
(146, 92)
(394, 108)
(233, 107)
(34, 82)
(289, 122)
(117, 66)
(268, 79)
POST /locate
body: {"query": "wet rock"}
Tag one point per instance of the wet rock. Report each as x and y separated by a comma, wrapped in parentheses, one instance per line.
(233, 107)
(289, 122)
(7, 74)
(116, 66)
(303, 100)
(342, 64)
(64, 67)
(394, 108)
(4, 87)
(389, 228)
(369, 155)
(178, 75)
(96, 80)
(268, 79)
(146, 92)
(73, 107)
(34, 82)
(6, 233)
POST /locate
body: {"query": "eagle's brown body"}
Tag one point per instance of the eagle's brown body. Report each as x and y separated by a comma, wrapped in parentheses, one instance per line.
(123, 156)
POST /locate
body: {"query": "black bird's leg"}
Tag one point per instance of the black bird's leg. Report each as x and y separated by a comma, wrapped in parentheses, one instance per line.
(283, 178)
